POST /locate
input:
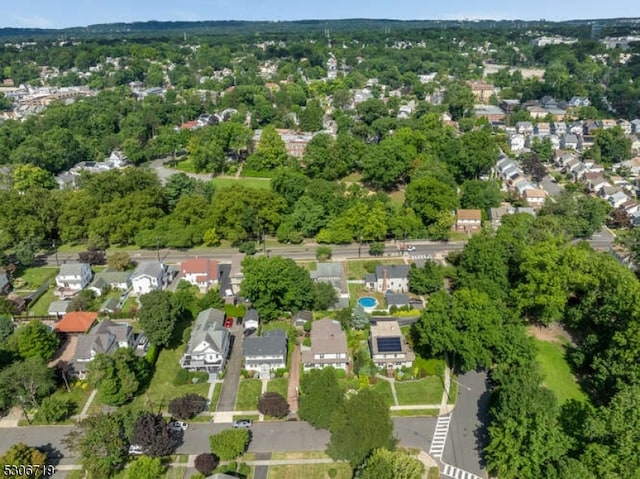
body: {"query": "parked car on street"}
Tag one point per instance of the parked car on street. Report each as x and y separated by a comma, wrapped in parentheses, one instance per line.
(228, 322)
(135, 450)
(178, 426)
(243, 423)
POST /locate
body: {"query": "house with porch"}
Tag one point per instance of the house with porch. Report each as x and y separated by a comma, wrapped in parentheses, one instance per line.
(389, 348)
(468, 221)
(265, 353)
(149, 276)
(328, 346)
(394, 277)
(74, 277)
(106, 337)
(201, 272)
(208, 346)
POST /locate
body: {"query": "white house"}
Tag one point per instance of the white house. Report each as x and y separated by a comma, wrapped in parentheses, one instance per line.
(110, 278)
(148, 276)
(389, 348)
(208, 347)
(74, 277)
(266, 353)
(251, 319)
(394, 277)
(517, 142)
(201, 272)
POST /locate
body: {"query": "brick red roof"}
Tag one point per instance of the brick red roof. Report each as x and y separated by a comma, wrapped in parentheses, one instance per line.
(76, 322)
(200, 266)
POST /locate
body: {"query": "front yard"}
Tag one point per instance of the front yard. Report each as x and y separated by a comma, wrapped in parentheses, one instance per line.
(248, 393)
(384, 388)
(32, 278)
(280, 386)
(423, 391)
(310, 471)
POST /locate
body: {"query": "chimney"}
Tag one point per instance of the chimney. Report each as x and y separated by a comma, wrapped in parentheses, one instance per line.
(384, 280)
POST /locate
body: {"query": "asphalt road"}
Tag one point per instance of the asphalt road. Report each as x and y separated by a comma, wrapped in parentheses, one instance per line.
(296, 252)
(467, 432)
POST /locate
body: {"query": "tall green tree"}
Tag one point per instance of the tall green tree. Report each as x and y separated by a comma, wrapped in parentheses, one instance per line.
(385, 464)
(36, 340)
(320, 396)
(157, 317)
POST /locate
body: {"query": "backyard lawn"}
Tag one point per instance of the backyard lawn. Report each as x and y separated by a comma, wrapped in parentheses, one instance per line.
(310, 471)
(161, 389)
(556, 371)
(280, 386)
(32, 278)
(383, 387)
(248, 394)
(260, 183)
(423, 391)
(41, 307)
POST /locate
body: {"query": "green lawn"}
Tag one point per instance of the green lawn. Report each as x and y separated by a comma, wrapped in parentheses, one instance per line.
(280, 386)
(41, 307)
(32, 278)
(556, 372)
(248, 394)
(383, 387)
(271, 325)
(414, 412)
(78, 395)
(260, 183)
(424, 391)
(215, 397)
(185, 166)
(356, 269)
(309, 471)
(161, 389)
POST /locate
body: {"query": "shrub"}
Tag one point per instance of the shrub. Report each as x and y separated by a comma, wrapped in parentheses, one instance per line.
(281, 372)
(187, 406)
(205, 463)
(248, 247)
(306, 342)
(55, 409)
(152, 354)
(323, 253)
(230, 443)
(376, 248)
(273, 404)
(307, 326)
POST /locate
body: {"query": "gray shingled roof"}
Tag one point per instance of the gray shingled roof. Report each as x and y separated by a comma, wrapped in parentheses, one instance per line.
(71, 269)
(394, 299)
(149, 268)
(328, 271)
(393, 271)
(272, 343)
(208, 328)
(251, 314)
(58, 307)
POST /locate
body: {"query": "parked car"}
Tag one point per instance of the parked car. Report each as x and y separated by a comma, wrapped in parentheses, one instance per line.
(228, 322)
(135, 450)
(411, 248)
(243, 423)
(178, 426)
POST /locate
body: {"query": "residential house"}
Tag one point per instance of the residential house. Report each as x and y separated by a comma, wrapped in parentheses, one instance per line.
(491, 112)
(535, 198)
(537, 111)
(389, 348)
(595, 181)
(149, 276)
(74, 277)
(522, 186)
(542, 129)
(559, 127)
(630, 207)
(578, 101)
(201, 272)
(576, 128)
(58, 308)
(569, 141)
(590, 126)
(266, 353)
(517, 142)
(394, 277)
(5, 284)
(76, 322)
(586, 141)
(481, 90)
(399, 300)
(333, 273)
(509, 105)
(208, 345)
(524, 127)
(105, 338)
(504, 164)
(613, 195)
(496, 214)
(468, 221)
(608, 124)
(111, 305)
(251, 319)
(302, 318)
(110, 278)
(561, 158)
(328, 346)
(625, 125)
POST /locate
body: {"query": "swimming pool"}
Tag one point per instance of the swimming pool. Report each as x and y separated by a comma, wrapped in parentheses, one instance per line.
(368, 302)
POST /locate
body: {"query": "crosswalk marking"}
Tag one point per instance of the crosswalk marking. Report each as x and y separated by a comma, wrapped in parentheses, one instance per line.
(457, 473)
(420, 256)
(440, 437)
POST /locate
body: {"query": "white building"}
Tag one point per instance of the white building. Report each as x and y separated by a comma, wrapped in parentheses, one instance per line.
(149, 276)
(74, 277)
(208, 347)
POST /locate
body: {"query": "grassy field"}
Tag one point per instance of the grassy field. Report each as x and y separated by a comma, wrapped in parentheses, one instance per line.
(424, 391)
(384, 388)
(279, 385)
(161, 389)
(32, 278)
(41, 307)
(248, 393)
(309, 471)
(299, 455)
(260, 183)
(556, 372)
(397, 197)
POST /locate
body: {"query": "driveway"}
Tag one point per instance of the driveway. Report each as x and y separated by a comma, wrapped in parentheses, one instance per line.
(227, 400)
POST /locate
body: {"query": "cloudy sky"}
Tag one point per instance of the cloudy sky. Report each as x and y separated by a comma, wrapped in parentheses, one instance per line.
(69, 13)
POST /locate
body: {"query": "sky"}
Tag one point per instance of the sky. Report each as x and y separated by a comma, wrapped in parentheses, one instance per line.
(73, 13)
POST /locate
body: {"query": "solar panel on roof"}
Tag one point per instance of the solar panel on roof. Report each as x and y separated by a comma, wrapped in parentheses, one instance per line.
(387, 345)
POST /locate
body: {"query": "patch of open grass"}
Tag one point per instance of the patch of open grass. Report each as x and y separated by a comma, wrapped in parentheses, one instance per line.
(397, 197)
(259, 183)
(423, 391)
(248, 394)
(356, 269)
(77, 394)
(299, 455)
(384, 388)
(434, 473)
(309, 471)
(216, 395)
(32, 278)
(185, 166)
(253, 417)
(280, 386)
(556, 372)
(415, 412)
(41, 307)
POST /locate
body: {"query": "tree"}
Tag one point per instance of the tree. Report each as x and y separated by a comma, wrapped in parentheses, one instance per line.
(320, 396)
(388, 163)
(146, 468)
(230, 443)
(359, 318)
(271, 152)
(429, 196)
(459, 99)
(324, 295)
(376, 248)
(119, 261)
(54, 409)
(480, 194)
(157, 317)
(275, 285)
(36, 340)
(93, 257)
(311, 117)
(426, 280)
(83, 301)
(26, 177)
(323, 253)
(187, 406)
(206, 462)
(353, 434)
(6, 328)
(118, 376)
(179, 185)
(273, 404)
(100, 440)
(150, 432)
(22, 455)
(612, 146)
(25, 252)
(385, 464)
